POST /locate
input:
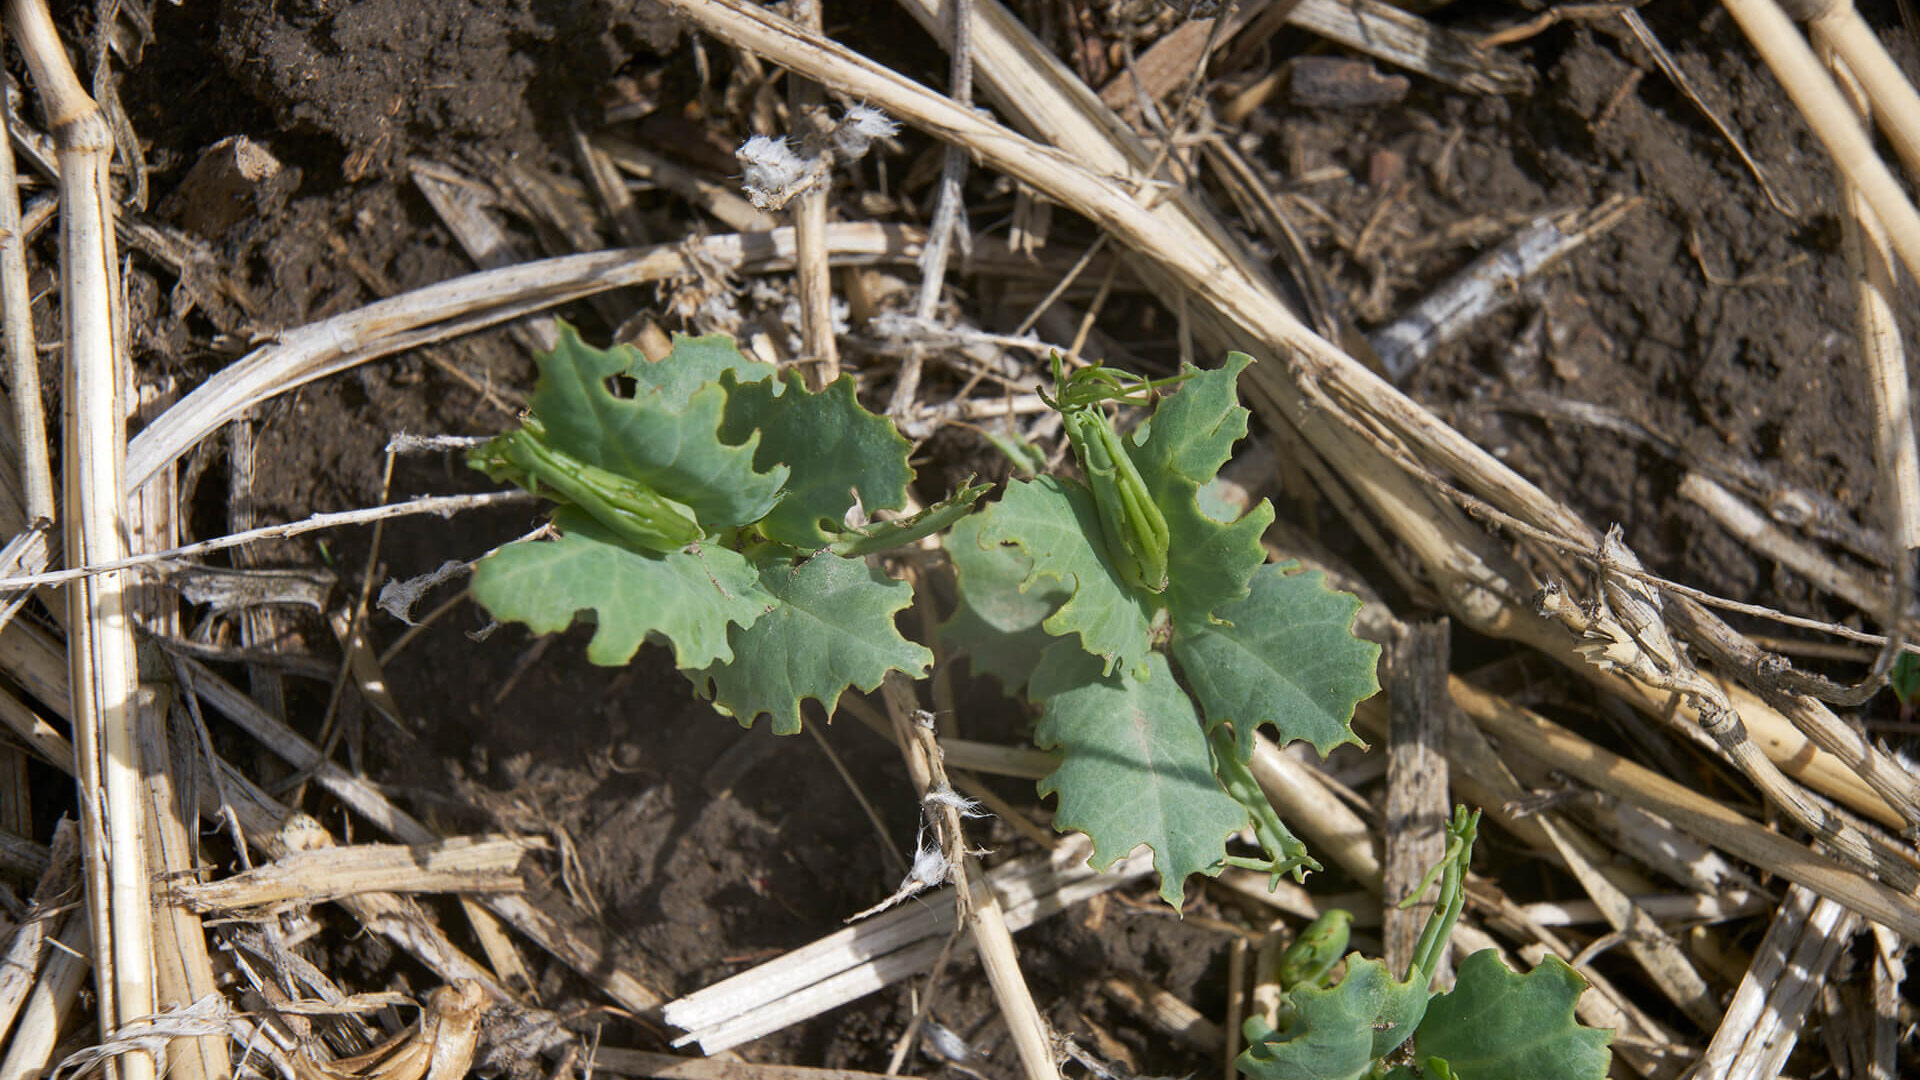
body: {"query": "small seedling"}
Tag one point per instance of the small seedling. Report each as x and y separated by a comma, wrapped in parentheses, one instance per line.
(1493, 1025)
(708, 512)
(1085, 596)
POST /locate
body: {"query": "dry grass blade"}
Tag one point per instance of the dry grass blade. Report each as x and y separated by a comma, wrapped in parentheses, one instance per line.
(278, 831)
(463, 305)
(21, 857)
(1490, 282)
(439, 505)
(891, 946)
(1760, 533)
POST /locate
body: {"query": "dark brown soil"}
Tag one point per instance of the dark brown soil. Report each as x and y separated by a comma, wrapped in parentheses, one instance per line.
(696, 884)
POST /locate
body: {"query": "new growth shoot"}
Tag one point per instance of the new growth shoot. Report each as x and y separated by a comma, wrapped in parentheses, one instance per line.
(1135, 529)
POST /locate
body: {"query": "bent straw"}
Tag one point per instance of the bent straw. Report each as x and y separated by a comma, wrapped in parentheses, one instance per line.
(23, 356)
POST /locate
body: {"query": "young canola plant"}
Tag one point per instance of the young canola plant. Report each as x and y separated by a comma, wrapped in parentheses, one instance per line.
(1090, 597)
(707, 511)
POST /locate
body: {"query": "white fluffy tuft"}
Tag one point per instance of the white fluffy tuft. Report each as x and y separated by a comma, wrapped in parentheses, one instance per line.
(858, 129)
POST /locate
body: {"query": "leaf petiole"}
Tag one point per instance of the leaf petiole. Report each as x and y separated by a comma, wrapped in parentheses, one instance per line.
(1285, 853)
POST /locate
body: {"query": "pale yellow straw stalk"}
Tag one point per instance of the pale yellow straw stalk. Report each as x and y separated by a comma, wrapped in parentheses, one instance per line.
(100, 638)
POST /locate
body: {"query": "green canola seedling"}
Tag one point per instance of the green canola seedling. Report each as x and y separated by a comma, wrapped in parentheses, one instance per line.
(1088, 596)
(1365, 1023)
(707, 512)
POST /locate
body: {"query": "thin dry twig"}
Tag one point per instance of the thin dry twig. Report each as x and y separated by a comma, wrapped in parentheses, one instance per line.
(459, 864)
(978, 907)
(949, 211)
(1678, 76)
(441, 505)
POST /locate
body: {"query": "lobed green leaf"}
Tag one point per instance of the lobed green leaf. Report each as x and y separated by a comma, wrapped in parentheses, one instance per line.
(998, 621)
(833, 446)
(1497, 1024)
(1191, 435)
(1134, 766)
(831, 627)
(1285, 657)
(673, 445)
(1209, 562)
(693, 363)
(1055, 525)
(1337, 1033)
(689, 597)
(1194, 429)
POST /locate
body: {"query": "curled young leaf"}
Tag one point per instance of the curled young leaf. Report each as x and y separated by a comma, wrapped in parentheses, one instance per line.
(1132, 524)
(1134, 528)
(639, 516)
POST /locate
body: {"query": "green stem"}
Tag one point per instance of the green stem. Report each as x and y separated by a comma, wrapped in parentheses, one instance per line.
(1286, 854)
(1453, 895)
